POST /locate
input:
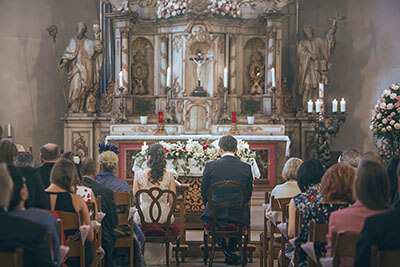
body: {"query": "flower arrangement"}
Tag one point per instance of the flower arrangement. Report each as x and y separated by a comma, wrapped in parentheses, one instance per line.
(201, 152)
(171, 8)
(385, 122)
(228, 8)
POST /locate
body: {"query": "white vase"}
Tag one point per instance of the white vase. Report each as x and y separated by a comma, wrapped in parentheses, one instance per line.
(143, 119)
(250, 119)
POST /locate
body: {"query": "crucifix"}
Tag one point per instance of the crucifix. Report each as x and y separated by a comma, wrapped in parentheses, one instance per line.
(199, 61)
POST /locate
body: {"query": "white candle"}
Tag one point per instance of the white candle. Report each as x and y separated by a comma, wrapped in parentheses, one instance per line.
(334, 105)
(310, 106)
(318, 106)
(342, 105)
(169, 77)
(121, 79)
(144, 146)
(226, 77)
(321, 90)
(8, 130)
(273, 77)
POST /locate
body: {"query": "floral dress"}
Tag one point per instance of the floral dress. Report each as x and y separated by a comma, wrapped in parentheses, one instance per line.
(309, 197)
(320, 212)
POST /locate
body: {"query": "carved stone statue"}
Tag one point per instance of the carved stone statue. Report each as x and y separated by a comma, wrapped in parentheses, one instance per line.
(107, 98)
(83, 59)
(312, 58)
(199, 61)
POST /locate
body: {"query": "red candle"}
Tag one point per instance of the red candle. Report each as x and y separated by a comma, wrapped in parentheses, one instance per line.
(234, 117)
(160, 118)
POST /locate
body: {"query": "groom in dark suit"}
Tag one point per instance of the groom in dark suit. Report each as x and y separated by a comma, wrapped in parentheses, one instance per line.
(228, 168)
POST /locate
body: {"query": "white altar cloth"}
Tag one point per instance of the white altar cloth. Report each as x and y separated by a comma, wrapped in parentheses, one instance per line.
(202, 136)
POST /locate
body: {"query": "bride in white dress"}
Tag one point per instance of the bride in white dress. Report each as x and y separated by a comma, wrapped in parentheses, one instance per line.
(154, 176)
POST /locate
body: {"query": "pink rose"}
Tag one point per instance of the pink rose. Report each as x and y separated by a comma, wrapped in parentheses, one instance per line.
(392, 114)
(389, 106)
(397, 126)
(384, 121)
(392, 122)
(389, 128)
(398, 97)
(383, 130)
(382, 105)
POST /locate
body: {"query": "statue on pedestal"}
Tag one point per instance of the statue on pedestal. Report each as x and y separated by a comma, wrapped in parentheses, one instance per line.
(83, 59)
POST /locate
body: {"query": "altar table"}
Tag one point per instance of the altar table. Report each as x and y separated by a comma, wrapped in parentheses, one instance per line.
(272, 149)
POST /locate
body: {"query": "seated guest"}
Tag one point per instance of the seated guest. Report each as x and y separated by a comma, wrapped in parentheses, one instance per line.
(154, 176)
(108, 160)
(228, 168)
(49, 154)
(308, 179)
(20, 233)
(39, 216)
(372, 155)
(37, 197)
(393, 179)
(110, 221)
(337, 185)
(372, 194)
(381, 230)
(351, 157)
(8, 151)
(289, 174)
(64, 178)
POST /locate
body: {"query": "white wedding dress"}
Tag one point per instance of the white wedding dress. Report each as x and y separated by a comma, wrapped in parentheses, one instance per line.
(154, 254)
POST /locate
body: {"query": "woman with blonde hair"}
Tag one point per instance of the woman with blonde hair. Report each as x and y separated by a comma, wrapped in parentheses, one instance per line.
(289, 174)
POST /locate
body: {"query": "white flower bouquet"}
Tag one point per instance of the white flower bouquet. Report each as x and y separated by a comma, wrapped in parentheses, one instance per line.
(225, 8)
(171, 8)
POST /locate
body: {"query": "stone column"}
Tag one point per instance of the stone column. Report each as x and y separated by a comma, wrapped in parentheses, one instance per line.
(163, 61)
(125, 58)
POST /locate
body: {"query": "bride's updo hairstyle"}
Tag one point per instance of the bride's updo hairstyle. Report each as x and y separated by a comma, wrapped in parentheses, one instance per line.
(157, 162)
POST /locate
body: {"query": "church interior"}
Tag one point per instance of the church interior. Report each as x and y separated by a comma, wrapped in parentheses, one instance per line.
(105, 101)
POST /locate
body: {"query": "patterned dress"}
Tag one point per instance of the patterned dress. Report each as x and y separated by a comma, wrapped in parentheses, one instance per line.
(309, 197)
(320, 212)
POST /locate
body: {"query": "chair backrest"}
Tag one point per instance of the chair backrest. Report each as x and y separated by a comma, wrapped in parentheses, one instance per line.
(123, 201)
(298, 219)
(91, 208)
(227, 204)
(72, 221)
(343, 245)
(384, 258)
(12, 259)
(317, 232)
(279, 204)
(155, 194)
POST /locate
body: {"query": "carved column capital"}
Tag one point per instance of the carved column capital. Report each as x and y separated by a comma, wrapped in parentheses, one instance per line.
(271, 32)
(125, 32)
(164, 37)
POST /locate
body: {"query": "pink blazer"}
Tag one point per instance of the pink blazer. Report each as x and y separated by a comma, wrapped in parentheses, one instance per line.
(350, 219)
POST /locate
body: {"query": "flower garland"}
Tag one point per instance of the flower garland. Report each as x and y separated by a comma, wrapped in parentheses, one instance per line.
(228, 8)
(200, 151)
(385, 122)
(171, 8)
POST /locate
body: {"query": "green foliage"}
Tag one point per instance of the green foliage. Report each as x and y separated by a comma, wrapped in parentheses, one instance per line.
(143, 107)
(250, 106)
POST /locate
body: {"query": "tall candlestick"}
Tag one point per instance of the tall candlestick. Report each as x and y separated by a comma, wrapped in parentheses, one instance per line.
(321, 90)
(342, 105)
(233, 117)
(169, 77)
(121, 79)
(334, 105)
(226, 77)
(310, 106)
(8, 130)
(273, 77)
(318, 106)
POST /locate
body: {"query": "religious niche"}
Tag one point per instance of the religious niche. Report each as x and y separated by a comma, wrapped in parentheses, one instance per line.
(254, 55)
(142, 68)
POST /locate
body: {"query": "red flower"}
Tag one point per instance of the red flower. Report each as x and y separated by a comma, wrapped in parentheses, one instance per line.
(205, 146)
(180, 150)
(166, 150)
(311, 198)
(184, 148)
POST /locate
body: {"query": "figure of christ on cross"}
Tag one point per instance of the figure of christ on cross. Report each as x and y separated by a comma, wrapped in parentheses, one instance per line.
(199, 61)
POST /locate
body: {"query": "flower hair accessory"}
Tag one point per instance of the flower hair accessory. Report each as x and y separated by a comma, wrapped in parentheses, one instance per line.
(76, 160)
(108, 147)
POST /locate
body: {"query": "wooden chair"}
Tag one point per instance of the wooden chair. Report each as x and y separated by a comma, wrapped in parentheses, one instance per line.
(12, 259)
(180, 218)
(157, 231)
(97, 235)
(273, 247)
(384, 258)
(316, 233)
(71, 221)
(343, 245)
(238, 230)
(263, 235)
(123, 201)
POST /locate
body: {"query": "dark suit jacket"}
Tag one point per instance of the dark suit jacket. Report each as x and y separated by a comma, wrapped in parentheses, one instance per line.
(110, 221)
(45, 170)
(226, 168)
(381, 230)
(20, 233)
(37, 197)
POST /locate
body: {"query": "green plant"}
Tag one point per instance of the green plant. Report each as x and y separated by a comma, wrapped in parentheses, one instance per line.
(250, 106)
(143, 107)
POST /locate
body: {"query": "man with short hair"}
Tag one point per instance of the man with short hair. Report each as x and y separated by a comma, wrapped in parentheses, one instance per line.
(110, 221)
(228, 168)
(351, 157)
(49, 154)
(20, 233)
(37, 197)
